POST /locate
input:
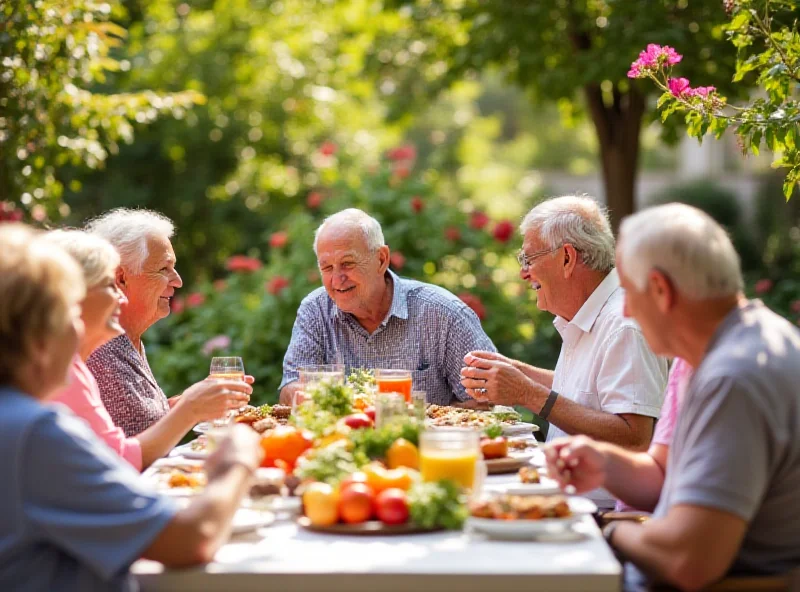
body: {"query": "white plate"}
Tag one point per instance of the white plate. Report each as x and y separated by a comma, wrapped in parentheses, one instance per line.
(246, 520)
(202, 428)
(278, 504)
(529, 529)
(186, 451)
(519, 429)
(545, 487)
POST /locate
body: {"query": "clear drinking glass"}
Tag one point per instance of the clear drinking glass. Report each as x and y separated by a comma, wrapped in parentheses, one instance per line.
(419, 404)
(392, 380)
(389, 407)
(452, 454)
(226, 368)
(310, 375)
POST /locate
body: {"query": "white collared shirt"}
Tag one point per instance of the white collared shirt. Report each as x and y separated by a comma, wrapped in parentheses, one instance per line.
(605, 363)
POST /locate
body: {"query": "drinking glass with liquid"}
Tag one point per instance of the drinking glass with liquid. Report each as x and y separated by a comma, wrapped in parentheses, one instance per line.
(226, 368)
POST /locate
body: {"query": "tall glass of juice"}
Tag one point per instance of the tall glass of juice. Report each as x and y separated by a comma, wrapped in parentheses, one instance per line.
(452, 454)
(394, 381)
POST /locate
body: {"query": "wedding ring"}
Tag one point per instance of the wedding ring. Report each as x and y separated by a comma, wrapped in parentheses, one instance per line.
(481, 391)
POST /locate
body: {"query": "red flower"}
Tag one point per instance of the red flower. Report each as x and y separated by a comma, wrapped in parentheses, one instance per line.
(177, 305)
(763, 286)
(219, 285)
(407, 152)
(795, 305)
(313, 276)
(314, 200)
(398, 260)
(328, 148)
(401, 172)
(478, 220)
(417, 204)
(276, 285)
(239, 263)
(278, 239)
(504, 231)
(452, 233)
(474, 302)
(9, 213)
(195, 299)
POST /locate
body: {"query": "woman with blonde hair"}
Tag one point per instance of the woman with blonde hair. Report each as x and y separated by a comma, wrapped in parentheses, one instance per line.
(101, 309)
(73, 515)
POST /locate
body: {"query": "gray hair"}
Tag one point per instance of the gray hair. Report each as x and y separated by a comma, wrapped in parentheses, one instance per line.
(684, 243)
(354, 218)
(128, 230)
(96, 256)
(577, 220)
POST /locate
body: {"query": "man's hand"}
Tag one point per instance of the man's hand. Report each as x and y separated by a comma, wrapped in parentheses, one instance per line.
(578, 462)
(241, 445)
(492, 377)
(211, 398)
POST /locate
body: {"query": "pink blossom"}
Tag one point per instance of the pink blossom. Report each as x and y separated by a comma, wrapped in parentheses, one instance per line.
(795, 306)
(328, 148)
(763, 286)
(314, 200)
(219, 285)
(278, 239)
(277, 285)
(452, 233)
(407, 152)
(474, 302)
(215, 343)
(679, 87)
(398, 260)
(417, 204)
(478, 220)
(176, 305)
(503, 231)
(195, 299)
(239, 263)
(703, 91)
(653, 58)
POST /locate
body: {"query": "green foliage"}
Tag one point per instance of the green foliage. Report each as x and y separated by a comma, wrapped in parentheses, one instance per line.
(437, 504)
(767, 41)
(372, 444)
(53, 52)
(329, 465)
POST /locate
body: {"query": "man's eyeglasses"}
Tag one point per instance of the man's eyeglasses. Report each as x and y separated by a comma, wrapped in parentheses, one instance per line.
(525, 261)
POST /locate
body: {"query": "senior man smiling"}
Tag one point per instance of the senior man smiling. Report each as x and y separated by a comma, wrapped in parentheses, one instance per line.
(365, 316)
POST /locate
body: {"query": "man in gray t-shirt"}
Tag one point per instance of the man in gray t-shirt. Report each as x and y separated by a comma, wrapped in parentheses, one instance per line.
(727, 500)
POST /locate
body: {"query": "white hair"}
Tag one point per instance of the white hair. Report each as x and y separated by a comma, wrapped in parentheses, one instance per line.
(355, 219)
(128, 230)
(577, 220)
(96, 256)
(684, 243)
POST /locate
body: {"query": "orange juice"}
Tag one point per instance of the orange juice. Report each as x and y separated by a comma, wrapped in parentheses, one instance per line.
(400, 385)
(456, 465)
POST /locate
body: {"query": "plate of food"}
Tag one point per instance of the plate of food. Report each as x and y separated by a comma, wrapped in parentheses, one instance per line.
(368, 528)
(177, 477)
(505, 455)
(275, 491)
(261, 419)
(522, 517)
(248, 519)
(442, 416)
(197, 449)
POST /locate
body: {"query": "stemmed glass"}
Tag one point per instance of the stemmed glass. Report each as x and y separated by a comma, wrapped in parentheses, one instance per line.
(226, 368)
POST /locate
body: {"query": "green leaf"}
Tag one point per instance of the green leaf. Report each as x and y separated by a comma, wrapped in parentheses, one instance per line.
(740, 20)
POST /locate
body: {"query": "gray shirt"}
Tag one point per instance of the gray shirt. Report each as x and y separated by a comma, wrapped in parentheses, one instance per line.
(427, 330)
(737, 442)
(73, 514)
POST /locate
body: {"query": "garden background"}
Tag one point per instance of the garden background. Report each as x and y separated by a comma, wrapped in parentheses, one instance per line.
(248, 121)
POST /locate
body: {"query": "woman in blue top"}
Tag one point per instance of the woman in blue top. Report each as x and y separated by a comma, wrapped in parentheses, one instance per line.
(73, 515)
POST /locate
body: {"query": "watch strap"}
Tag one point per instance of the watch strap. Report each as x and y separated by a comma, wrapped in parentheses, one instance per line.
(548, 404)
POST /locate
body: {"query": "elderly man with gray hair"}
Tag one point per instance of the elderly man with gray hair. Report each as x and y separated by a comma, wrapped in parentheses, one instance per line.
(728, 501)
(607, 382)
(365, 316)
(148, 279)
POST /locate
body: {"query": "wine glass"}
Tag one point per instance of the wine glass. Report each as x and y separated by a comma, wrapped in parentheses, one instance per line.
(226, 368)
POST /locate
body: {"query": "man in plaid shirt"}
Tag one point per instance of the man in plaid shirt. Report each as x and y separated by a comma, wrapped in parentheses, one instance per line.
(365, 316)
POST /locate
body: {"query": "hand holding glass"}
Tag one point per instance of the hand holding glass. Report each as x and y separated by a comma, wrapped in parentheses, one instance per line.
(227, 368)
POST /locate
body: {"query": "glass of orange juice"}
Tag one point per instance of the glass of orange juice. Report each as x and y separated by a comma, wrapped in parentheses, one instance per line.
(452, 454)
(394, 381)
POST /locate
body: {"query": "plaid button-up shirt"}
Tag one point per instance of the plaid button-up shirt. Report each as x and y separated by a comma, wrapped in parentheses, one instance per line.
(427, 330)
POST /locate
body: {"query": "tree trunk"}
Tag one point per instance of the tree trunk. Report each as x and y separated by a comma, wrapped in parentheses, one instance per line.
(618, 123)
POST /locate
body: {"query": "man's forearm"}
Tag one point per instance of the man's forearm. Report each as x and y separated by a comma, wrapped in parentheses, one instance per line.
(540, 375)
(287, 393)
(573, 418)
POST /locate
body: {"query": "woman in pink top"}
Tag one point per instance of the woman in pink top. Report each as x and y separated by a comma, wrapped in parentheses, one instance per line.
(679, 376)
(100, 315)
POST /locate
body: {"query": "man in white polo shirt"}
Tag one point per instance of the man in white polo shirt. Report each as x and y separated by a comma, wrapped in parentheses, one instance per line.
(607, 383)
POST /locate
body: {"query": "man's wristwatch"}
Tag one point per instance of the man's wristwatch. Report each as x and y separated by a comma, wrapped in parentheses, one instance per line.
(548, 404)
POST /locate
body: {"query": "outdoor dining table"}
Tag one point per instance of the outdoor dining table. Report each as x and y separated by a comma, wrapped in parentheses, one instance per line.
(285, 556)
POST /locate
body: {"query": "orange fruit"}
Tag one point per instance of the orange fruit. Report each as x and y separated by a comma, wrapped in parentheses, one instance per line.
(321, 504)
(402, 453)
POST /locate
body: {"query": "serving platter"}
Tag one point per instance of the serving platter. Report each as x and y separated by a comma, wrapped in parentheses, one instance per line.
(508, 464)
(369, 528)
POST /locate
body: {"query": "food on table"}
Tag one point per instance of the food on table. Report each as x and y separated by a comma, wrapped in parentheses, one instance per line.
(379, 478)
(357, 421)
(352, 479)
(273, 482)
(370, 411)
(330, 464)
(402, 453)
(178, 478)
(391, 506)
(285, 444)
(445, 416)
(437, 504)
(321, 504)
(281, 411)
(494, 447)
(396, 384)
(374, 444)
(529, 475)
(356, 503)
(199, 444)
(517, 507)
(249, 414)
(264, 425)
(520, 444)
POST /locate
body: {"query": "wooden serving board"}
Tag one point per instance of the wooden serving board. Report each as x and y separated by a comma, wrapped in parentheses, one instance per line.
(507, 464)
(369, 528)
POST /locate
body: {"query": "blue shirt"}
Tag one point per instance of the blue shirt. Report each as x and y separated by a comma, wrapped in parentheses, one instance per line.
(73, 515)
(427, 330)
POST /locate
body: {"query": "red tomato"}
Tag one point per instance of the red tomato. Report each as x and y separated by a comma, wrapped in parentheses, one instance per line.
(358, 420)
(392, 506)
(352, 479)
(370, 412)
(356, 503)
